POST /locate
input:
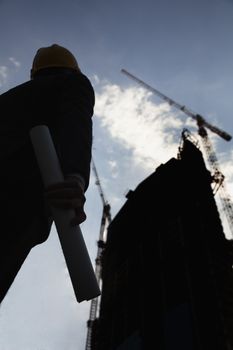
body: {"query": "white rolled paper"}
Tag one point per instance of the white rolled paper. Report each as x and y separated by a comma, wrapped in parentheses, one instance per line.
(78, 262)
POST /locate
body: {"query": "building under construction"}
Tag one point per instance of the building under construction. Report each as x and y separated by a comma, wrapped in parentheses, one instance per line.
(167, 278)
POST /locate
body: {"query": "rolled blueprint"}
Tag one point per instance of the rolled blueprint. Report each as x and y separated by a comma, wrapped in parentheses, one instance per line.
(73, 245)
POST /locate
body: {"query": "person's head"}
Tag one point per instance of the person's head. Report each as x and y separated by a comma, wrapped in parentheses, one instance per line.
(52, 58)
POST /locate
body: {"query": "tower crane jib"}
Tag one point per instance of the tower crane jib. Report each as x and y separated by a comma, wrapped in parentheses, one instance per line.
(199, 119)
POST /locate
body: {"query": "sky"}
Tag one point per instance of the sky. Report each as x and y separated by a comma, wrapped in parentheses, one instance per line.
(184, 49)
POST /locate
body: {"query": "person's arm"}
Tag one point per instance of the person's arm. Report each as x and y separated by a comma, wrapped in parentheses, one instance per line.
(72, 131)
(72, 135)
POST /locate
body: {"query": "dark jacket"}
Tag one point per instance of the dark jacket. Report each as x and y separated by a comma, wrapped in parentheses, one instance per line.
(65, 103)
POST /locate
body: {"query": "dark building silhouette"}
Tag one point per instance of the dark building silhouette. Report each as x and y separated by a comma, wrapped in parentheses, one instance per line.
(167, 266)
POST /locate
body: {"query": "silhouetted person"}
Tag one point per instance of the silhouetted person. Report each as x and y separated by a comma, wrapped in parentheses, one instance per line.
(60, 96)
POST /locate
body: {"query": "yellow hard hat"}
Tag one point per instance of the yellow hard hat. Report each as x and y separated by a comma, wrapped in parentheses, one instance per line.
(53, 56)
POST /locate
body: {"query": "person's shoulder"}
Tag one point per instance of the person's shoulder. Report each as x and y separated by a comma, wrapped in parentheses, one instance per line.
(16, 90)
(78, 83)
(79, 78)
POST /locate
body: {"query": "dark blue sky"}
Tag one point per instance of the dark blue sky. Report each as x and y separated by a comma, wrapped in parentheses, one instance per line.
(182, 47)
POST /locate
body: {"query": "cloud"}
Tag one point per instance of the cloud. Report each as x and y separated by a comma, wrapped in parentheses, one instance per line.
(227, 170)
(147, 129)
(3, 75)
(6, 69)
(16, 63)
(148, 132)
(113, 166)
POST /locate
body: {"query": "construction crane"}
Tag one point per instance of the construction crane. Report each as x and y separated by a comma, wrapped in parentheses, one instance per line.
(199, 119)
(217, 176)
(105, 221)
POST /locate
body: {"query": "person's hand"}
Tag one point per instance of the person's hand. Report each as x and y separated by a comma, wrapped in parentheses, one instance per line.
(68, 195)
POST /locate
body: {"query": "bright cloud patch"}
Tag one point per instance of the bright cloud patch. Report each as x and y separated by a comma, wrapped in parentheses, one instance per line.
(14, 62)
(3, 75)
(227, 170)
(6, 70)
(138, 124)
(150, 131)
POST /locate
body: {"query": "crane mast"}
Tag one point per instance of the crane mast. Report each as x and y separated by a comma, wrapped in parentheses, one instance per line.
(218, 178)
(101, 192)
(105, 221)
